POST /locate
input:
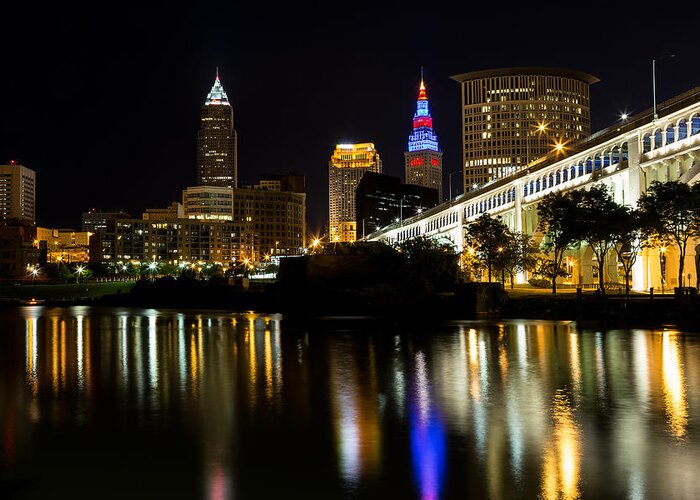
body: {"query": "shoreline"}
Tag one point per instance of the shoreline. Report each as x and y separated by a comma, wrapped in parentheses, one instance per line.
(611, 311)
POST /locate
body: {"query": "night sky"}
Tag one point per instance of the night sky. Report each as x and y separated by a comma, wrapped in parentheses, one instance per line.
(103, 101)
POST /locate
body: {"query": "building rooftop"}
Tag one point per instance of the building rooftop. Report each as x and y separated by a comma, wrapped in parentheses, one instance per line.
(527, 70)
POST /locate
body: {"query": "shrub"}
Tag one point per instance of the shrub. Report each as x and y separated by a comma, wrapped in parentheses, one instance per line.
(540, 282)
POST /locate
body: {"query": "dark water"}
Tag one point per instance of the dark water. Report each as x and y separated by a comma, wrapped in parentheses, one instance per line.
(142, 403)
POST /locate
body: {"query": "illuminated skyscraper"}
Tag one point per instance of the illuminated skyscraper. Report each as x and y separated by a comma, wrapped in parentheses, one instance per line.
(17, 192)
(423, 158)
(512, 116)
(217, 163)
(346, 167)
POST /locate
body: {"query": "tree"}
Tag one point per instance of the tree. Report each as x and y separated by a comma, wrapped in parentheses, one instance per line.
(519, 253)
(555, 212)
(64, 273)
(431, 266)
(595, 220)
(629, 240)
(486, 235)
(672, 210)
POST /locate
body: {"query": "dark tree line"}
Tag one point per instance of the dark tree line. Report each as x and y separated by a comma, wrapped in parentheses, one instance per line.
(667, 211)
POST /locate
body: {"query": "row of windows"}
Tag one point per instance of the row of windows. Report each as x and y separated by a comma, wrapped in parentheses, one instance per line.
(672, 133)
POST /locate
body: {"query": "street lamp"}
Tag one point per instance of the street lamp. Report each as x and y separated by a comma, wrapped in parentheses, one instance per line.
(449, 177)
(401, 200)
(653, 80)
(540, 128)
(662, 267)
(503, 268)
(152, 267)
(79, 272)
(33, 271)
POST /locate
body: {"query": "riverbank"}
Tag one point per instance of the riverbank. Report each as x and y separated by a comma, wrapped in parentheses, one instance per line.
(470, 301)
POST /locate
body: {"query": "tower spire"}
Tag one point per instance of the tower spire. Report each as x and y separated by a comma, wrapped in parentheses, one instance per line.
(423, 158)
(217, 94)
(422, 96)
(423, 136)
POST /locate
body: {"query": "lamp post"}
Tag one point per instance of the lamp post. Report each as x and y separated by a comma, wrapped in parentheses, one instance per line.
(152, 267)
(662, 267)
(503, 270)
(449, 177)
(79, 272)
(653, 80)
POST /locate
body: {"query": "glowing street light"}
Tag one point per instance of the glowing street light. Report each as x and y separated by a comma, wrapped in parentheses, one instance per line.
(152, 266)
(79, 272)
(33, 271)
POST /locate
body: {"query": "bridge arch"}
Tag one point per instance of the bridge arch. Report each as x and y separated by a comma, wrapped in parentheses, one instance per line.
(695, 124)
(658, 138)
(682, 129)
(646, 143)
(670, 134)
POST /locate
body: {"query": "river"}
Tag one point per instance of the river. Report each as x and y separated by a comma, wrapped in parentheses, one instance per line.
(122, 403)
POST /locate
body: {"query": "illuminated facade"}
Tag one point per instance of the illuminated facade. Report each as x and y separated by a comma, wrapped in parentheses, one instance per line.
(512, 116)
(64, 245)
(208, 202)
(217, 163)
(17, 192)
(423, 164)
(174, 241)
(346, 167)
(274, 222)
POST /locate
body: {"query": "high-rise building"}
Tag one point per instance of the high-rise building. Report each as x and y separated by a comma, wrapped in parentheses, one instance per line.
(17, 192)
(217, 159)
(512, 116)
(95, 221)
(346, 167)
(273, 222)
(423, 165)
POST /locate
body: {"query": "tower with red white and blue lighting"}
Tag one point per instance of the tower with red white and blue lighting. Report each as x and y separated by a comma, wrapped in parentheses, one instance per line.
(423, 159)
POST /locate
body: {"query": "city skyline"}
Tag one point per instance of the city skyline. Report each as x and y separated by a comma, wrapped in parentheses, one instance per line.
(292, 98)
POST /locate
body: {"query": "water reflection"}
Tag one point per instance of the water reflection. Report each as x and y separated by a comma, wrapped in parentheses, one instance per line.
(673, 386)
(493, 410)
(561, 467)
(353, 387)
(427, 435)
